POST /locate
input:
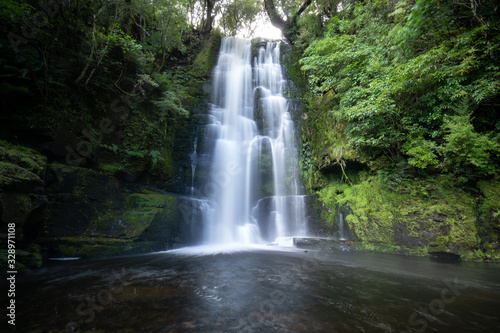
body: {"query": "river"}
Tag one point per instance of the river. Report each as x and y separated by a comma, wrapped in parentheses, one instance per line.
(259, 289)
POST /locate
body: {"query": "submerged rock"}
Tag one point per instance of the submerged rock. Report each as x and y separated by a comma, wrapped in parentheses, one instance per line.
(322, 243)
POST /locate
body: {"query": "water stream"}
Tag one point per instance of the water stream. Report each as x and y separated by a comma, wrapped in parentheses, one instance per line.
(252, 149)
(258, 290)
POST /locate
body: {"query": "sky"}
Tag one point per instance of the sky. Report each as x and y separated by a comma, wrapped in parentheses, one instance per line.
(262, 28)
(266, 30)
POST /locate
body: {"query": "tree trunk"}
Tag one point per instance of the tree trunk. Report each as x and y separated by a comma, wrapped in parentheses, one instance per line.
(274, 16)
(209, 18)
(287, 27)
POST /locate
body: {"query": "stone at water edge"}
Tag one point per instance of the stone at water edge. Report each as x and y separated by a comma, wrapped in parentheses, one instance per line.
(321, 243)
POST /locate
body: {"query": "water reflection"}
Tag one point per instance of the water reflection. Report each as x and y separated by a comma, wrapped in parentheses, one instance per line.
(260, 290)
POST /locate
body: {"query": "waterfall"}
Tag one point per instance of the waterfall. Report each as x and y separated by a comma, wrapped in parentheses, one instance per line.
(341, 225)
(252, 149)
(194, 161)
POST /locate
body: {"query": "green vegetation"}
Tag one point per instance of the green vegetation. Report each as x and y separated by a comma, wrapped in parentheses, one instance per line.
(401, 122)
(408, 215)
(102, 82)
(400, 114)
(98, 247)
(393, 92)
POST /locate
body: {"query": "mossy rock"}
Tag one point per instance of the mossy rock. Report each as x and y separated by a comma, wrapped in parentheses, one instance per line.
(23, 157)
(20, 267)
(205, 60)
(83, 182)
(412, 217)
(14, 178)
(26, 260)
(24, 210)
(126, 225)
(16, 208)
(110, 169)
(97, 247)
(31, 258)
(489, 210)
(153, 200)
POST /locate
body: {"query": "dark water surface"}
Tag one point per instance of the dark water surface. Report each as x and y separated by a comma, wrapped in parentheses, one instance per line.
(259, 290)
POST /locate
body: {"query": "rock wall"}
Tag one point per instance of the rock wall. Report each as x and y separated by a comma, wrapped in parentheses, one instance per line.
(66, 211)
(420, 217)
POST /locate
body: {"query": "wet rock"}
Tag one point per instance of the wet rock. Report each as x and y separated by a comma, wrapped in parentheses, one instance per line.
(439, 217)
(307, 241)
(14, 178)
(444, 256)
(321, 243)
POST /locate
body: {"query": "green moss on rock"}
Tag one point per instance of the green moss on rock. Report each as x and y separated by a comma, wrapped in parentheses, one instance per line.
(156, 200)
(489, 217)
(24, 157)
(18, 179)
(97, 247)
(127, 224)
(205, 60)
(412, 217)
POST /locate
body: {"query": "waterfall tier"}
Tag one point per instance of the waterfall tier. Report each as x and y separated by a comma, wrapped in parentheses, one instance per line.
(250, 143)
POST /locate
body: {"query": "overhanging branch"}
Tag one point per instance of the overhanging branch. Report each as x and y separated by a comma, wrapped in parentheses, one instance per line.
(286, 26)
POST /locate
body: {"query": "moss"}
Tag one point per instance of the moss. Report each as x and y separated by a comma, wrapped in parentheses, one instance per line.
(151, 199)
(291, 56)
(26, 259)
(167, 163)
(14, 177)
(411, 216)
(489, 217)
(110, 168)
(124, 224)
(23, 157)
(32, 257)
(68, 250)
(380, 247)
(98, 247)
(205, 60)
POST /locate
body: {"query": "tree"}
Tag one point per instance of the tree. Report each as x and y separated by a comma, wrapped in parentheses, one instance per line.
(239, 15)
(389, 77)
(209, 18)
(289, 26)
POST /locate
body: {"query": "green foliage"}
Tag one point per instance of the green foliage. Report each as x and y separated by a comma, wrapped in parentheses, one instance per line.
(402, 215)
(93, 58)
(387, 80)
(465, 148)
(421, 152)
(237, 15)
(115, 36)
(170, 104)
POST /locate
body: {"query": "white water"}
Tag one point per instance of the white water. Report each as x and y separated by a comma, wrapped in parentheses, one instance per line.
(253, 160)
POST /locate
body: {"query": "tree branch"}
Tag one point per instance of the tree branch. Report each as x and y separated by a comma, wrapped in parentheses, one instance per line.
(284, 25)
(276, 19)
(302, 8)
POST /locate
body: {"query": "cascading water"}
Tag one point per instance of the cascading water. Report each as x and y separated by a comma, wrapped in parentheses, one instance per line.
(254, 181)
(341, 226)
(194, 159)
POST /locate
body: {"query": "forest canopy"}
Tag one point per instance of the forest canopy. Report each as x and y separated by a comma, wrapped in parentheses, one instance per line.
(407, 85)
(390, 84)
